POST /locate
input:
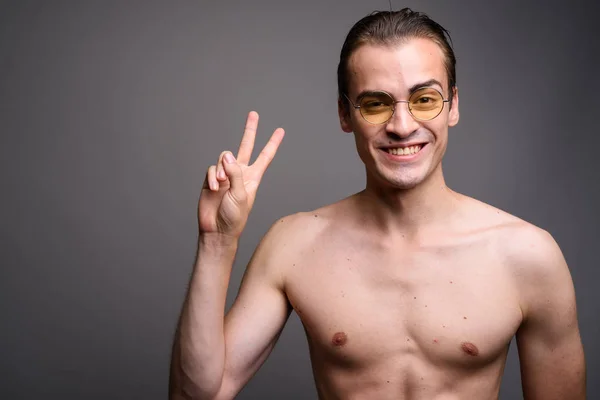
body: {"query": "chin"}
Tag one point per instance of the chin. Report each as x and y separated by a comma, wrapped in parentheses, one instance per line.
(404, 184)
(400, 182)
(399, 177)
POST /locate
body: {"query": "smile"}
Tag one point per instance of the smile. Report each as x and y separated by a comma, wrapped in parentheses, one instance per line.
(405, 151)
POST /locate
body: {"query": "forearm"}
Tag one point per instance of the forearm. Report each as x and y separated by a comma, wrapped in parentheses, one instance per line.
(199, 349)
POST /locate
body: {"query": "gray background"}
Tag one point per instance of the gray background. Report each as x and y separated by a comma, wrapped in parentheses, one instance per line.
(110, 113)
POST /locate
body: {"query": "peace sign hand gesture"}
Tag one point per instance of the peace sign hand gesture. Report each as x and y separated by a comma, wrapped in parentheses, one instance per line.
(230, 186)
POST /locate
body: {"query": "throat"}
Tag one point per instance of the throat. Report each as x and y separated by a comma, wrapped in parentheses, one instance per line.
(389, 208)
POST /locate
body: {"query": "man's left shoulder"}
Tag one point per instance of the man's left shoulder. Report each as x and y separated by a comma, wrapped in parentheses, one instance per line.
(521, 244)
(528, 248)
(530, 253)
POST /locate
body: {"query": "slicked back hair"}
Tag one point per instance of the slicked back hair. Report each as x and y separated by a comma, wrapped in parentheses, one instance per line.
(391, 28)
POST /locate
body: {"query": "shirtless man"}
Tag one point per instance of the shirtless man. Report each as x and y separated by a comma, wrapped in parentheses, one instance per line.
(407, 290)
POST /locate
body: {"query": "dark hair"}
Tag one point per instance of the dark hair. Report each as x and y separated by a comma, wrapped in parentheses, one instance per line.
(389, 28)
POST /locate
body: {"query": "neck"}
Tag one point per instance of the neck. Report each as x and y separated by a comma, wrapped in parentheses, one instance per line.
(407, 211)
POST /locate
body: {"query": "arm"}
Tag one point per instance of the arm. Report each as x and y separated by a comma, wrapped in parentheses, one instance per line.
(198, 349)
(258, 315)
(214, 356)
(550, 348)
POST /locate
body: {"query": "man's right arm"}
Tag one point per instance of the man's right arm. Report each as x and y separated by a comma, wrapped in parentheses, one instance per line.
(214, 355)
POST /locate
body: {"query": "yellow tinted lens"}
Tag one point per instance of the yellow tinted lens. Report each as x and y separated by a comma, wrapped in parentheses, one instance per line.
(376, 108)
(426, 103)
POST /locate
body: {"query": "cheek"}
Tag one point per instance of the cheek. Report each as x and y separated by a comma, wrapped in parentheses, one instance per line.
(439, 129)
(361, 144)
(441, 142)
(364, 145)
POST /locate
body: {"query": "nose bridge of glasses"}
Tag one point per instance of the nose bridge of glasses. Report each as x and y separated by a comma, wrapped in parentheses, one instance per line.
(394, 102)
(402, 117)
(395, 108)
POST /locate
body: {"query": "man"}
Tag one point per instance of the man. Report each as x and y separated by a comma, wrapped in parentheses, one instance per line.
(406, 290)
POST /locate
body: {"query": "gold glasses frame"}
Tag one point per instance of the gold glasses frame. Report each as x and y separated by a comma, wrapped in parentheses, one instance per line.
(394, 102)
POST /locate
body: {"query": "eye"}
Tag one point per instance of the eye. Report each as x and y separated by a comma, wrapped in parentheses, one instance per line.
(424, 100)
(374, 103)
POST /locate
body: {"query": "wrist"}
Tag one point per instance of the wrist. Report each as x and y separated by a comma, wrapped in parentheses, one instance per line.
(217, 243)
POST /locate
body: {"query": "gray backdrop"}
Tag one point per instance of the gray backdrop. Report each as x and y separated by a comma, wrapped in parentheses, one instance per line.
(110, 113)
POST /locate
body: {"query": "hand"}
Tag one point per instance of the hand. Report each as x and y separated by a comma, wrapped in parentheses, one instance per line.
(230, 186)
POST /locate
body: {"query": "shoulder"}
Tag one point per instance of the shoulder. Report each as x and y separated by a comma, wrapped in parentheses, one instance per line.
(532, 257)
(519, 242)
(530, 254)
(305, 227)
(537, 263)
(292, 234)
(296, 229)
(528, 250)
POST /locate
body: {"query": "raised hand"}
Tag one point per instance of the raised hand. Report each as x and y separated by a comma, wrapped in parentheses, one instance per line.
(230, 186)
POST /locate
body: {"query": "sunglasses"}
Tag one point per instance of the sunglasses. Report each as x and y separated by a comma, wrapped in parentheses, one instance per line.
(378, 107)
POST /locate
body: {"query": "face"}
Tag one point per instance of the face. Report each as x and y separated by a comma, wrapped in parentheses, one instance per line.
(399, 70)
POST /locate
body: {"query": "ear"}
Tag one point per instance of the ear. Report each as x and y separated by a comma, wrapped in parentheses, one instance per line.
(454, 115)
(344, 115)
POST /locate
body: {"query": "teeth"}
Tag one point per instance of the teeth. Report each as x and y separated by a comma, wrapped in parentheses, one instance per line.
(399, 151)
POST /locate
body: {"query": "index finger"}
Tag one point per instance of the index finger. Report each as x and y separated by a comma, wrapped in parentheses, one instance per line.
(247, 144)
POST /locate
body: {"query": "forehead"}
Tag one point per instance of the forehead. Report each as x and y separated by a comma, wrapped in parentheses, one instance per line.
(396, 68)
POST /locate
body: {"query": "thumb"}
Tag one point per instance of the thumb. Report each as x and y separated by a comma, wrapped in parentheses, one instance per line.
(236, 179)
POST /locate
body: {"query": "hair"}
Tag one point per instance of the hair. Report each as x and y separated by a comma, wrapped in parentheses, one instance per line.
(390, 28)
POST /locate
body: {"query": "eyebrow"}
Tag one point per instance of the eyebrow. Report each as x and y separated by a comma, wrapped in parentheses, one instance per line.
(411, 90)
(431, 82)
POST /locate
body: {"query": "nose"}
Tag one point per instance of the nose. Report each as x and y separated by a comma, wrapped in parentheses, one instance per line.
(402, 122)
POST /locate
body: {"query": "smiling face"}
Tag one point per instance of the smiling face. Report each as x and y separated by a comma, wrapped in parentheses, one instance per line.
(402, 152)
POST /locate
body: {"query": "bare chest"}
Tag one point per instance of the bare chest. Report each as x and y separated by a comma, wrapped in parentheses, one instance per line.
(456, 307)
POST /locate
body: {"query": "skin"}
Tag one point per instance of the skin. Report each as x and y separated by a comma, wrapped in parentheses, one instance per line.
(406, 290)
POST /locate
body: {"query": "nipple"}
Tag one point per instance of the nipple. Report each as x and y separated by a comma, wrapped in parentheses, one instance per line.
(339, 339)
(469, 348)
